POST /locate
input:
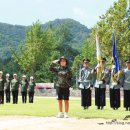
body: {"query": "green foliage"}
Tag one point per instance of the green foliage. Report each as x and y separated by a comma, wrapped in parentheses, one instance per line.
(10, 66)
(61, 38)
(87, 52)
(15, 35)
(34, 47)
(38, 47)
(67, 37)
(77, 31)
(64, 47)
(10, 36)
(117, 19)
(41, 48)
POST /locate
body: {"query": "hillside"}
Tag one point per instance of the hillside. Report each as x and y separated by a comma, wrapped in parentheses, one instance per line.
(13, 35)
(10, 36)
(78, 31)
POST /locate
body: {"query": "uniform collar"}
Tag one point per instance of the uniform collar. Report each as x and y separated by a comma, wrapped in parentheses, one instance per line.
(127, 69)
(63, 67)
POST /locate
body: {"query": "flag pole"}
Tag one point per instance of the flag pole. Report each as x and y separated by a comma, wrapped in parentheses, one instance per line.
(128, 2)
(99, 59)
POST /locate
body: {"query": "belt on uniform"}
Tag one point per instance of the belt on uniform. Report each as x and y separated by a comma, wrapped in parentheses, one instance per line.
(85, 81)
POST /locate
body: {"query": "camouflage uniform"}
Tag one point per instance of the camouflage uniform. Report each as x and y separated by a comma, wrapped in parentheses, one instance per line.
(63, 81)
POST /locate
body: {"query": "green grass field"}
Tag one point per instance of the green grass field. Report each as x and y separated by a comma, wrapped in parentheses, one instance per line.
(47, 107)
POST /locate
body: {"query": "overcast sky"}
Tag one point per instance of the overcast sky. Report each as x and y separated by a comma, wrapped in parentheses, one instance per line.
(25, 12)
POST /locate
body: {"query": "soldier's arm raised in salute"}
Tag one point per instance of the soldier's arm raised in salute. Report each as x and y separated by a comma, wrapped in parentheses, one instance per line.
(53, 67)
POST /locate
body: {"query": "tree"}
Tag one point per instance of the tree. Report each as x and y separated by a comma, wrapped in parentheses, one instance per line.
(64, 46)
(117, 19)
(38, 47)
(87, 52)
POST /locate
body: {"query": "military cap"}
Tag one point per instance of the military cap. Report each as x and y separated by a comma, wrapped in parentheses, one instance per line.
(86, 60)
(31, 77)
(15, 74)
(63, 57)
(24, 76)
(127, 60)
(104, 59)
(7, 75)
(1, 72)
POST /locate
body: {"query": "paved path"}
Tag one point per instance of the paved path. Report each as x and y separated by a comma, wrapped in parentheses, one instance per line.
(52, 123)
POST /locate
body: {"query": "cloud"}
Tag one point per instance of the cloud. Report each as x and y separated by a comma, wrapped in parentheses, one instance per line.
(79, 12)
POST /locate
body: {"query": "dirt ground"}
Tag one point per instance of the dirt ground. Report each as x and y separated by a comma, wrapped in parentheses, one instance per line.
(52, 123)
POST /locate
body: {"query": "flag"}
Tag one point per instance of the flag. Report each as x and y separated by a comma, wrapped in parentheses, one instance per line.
(115, 54)
(99, 57)
(128, 4)
(100, 66)
(98, 49)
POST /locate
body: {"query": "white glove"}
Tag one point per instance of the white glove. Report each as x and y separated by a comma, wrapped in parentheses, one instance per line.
(91, 88)
(55, 61)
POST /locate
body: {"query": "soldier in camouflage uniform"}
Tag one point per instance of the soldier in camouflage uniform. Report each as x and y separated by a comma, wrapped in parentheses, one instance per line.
(86, 80)
(15, 88)
(2, 82)
(62, 84)
(24, 87)
(126, 85)
(7, 88)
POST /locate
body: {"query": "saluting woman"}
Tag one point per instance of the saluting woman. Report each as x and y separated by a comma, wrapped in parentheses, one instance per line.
(63, 84)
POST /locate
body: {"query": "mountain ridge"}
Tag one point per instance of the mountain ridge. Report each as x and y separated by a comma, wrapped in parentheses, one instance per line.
(13, 35)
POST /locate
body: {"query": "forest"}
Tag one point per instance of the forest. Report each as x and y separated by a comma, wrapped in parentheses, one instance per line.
(30, 50)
